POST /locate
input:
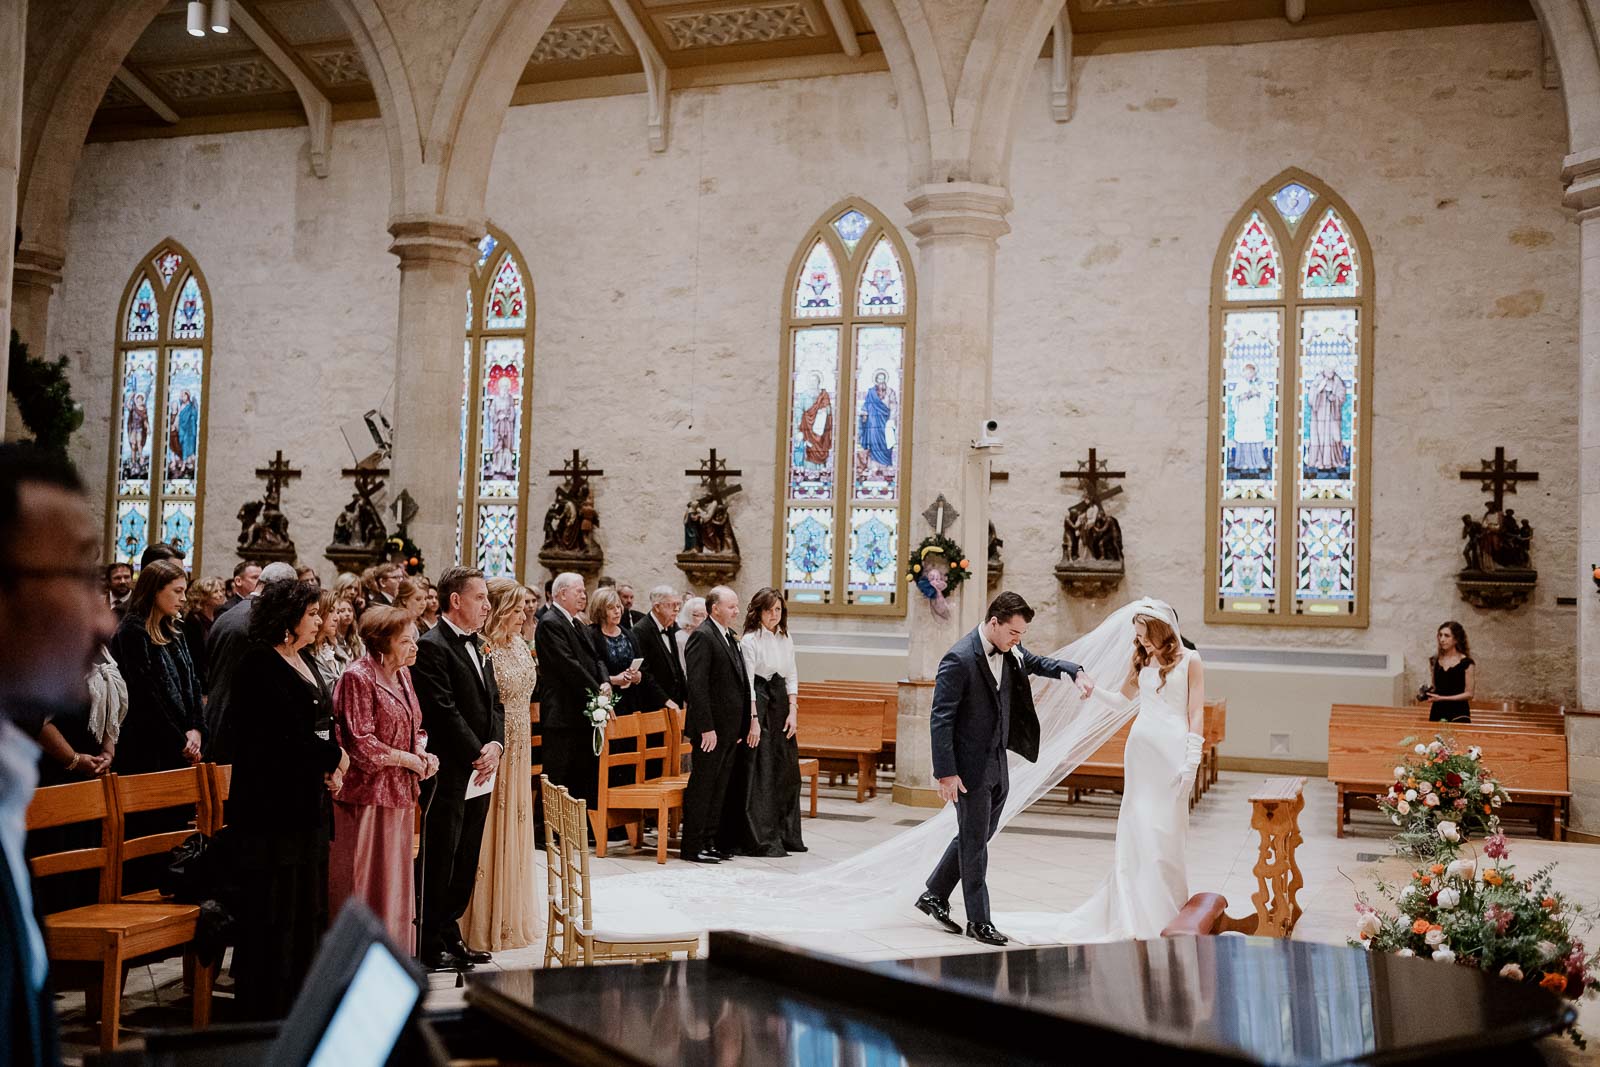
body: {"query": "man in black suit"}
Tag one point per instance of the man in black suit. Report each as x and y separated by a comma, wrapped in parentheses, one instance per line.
(982, 706)
(569, 675)
(246, 574)
(631, 616)
(53, 619)
(466, 727)
(656, 638)
(721, 714)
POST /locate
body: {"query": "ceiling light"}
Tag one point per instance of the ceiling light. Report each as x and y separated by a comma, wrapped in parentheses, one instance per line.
(197, 18)
(219, 16)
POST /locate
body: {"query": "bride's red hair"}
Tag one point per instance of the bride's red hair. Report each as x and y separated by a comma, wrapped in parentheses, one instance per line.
(1168, 651)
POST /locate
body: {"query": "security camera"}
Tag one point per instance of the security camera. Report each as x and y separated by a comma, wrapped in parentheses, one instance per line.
(988, 434)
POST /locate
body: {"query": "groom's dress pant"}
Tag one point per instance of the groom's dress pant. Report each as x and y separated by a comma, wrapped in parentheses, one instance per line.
(967, 859)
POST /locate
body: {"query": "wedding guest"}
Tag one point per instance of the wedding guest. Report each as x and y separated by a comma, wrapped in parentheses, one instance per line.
(279, 812)
(1454, 676)
(305, 572)
(614, 644)
(720, 715)
(763, 811)
(246, 573)
(462, 713)
(119, 586)
(379, 725)
(430, 607)
(80, 740)
(630, 616)
(160, 550)
(411, 598)
(348, 587)
(656, 637)
(690, 617)
(328, 651)
(225, 646)
(549, 599)
(504, 912)
(165, 727)
(200, 608)
(530, 611)
(382, 583)
(570, 676)
(53, 618)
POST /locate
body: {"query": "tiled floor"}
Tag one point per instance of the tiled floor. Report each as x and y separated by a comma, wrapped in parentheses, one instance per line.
(1049, 858)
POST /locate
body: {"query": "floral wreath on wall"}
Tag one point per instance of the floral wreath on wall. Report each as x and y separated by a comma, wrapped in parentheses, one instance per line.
(405, 552)
(938, 567)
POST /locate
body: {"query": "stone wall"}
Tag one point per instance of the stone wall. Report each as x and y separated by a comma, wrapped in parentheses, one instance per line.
(658, 282)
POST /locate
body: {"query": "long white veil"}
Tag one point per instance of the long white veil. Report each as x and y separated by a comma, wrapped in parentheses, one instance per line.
(884, 880)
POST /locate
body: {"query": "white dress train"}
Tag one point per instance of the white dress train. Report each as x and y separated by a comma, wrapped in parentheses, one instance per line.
(1148, 883)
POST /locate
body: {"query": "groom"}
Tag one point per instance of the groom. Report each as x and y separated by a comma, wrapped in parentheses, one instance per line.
(982, 706)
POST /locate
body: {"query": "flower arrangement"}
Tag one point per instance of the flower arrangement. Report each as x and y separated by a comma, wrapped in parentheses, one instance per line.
(599, 711)
(938, 567)
(1441, 797)
(1472, 911)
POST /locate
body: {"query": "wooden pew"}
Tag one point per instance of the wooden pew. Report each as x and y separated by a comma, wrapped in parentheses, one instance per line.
(888, 692)
(846, 733)
(1527, 753)
(1103, 768)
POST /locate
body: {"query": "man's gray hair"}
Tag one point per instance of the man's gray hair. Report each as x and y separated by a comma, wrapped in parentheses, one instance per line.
(564, 581)
(277, 572)
(661, 593)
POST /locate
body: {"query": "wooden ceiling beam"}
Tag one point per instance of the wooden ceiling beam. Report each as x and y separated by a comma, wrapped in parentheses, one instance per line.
(319, 111)
(146, 94)
(657, 76)
(843, 27)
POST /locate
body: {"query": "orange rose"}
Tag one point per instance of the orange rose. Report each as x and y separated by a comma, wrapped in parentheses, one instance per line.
(1437, 868)
(1487, 810)
(1554, 981)
(1420, 926)
(1493, 877)
(1548, 903)
(1427, 879)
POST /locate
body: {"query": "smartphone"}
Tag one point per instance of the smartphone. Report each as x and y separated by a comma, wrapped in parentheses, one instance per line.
(636, 664)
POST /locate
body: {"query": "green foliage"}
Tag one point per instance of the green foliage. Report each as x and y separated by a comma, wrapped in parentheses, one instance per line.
(44, 397)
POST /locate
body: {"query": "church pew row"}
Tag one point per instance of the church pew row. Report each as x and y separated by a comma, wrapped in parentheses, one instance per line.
(1527, 754)
(1103, 769)
(843, 733)
(889, 692)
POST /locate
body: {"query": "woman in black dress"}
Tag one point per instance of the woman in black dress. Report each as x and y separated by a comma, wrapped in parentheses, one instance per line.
(278, 811)
(165, 726)
(1454, 677)
(764, 796)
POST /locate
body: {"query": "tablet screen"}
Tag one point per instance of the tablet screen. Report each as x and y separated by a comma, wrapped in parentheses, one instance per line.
(370, 1016)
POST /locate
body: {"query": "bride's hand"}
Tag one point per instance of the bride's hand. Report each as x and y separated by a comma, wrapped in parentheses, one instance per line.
(1085, 684)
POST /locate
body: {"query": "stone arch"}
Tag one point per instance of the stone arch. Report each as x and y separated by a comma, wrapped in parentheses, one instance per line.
(1568, 30)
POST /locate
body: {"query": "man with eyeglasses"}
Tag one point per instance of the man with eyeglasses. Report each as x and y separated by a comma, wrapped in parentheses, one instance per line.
(53, 619)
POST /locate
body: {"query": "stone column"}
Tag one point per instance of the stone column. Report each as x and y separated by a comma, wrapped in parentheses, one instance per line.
(957, 225)
(13, 34)
(436, 255)
(34, 278)
(1581, 172)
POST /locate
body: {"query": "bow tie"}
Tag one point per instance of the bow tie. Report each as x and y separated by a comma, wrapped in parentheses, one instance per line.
(472, 639)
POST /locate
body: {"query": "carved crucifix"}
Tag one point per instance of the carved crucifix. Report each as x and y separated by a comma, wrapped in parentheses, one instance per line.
(577, 472)
(714, 474)
(1499, 476)
(707, 526)
(1094, 479)
(277, 473)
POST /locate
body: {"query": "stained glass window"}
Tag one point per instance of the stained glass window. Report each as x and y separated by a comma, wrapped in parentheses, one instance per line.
(496, 393)
(159, 412)
(846, 409)
(1289, 432)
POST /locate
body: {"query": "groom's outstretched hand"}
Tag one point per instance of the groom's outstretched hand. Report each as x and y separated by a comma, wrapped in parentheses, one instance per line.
(1085, 684)
(950, 787)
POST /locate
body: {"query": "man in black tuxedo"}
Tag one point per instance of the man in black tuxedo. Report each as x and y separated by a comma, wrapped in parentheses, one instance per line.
(656, 638)
(466, 727)
(569, 675)
(982, 706)
(631, 616)
(721, 713)
(53, 619)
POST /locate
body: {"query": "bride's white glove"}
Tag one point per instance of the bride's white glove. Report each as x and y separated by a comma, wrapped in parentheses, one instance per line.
(1194, 745)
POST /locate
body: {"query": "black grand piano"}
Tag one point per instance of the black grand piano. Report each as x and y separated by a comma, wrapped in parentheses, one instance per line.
(1192, 1000)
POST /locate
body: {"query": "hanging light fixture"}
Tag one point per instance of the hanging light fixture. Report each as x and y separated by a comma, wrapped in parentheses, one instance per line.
(197, 18)
(219, 16)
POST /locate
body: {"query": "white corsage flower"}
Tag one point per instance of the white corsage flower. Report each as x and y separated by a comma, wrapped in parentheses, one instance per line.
(1449, 832)
(1443, 955)
(1511, 971)
(1434, 937)
(1447, 898)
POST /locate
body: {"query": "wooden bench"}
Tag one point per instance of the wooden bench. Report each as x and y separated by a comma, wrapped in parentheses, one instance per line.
(1527, 752)
(843, 732)
(889, 692)
(1275, 815)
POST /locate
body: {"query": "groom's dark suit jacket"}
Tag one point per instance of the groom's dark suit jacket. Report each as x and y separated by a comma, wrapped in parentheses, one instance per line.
(971, 715)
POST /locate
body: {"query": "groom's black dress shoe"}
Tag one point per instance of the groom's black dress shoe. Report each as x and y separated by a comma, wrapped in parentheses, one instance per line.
(461, 952)
(699, 857)
(719, 852)
(986, 933)
(444, 960)
(938, 910)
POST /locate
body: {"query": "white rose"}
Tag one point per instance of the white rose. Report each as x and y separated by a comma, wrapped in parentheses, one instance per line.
(1487, 789)
(1495, 801)
(1431, 800)
(1369, 925)
(1448, 831)
(1511, 971)
(1425, 785)
(1407, 891)
(1421, 750)
(1411, 794)
(1473, 753)
(1405, 952)
(1434, 746)
(1403, 808)
(1547, 951)
(1448, 898)
(1434, 937)
(1460, 869)
(1400, 772)
(1443, 955)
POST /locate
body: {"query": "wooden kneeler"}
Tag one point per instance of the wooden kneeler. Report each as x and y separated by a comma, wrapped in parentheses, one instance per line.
(1275, 815)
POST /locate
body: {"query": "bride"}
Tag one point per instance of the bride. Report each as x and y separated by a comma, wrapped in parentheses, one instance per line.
(1162, 692)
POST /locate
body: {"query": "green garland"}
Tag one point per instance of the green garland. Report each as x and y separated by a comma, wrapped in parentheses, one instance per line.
(44, 397)
(404, 551)
(960, 566)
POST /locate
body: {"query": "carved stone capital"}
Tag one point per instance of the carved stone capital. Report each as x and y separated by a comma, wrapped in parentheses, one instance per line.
(36, 266)
(1580, 173)
(423, 239)
(959, 209)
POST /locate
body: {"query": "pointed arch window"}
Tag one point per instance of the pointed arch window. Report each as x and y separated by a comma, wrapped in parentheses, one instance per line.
(496, 395)
(156, 487)
(843, 454)
(1290, 411)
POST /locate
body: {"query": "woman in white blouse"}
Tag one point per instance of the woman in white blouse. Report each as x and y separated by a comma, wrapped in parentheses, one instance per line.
(764, 796)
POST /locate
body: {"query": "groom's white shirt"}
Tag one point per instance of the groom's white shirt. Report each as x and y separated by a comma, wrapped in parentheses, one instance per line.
(992, 655)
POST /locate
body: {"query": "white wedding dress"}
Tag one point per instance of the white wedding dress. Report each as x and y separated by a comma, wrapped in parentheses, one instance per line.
(1148, 883)
(876, 888)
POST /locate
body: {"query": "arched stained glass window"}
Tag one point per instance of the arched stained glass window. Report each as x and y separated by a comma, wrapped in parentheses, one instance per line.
(156, 485)
(496, 393)
(1291, 388)
(840, 538)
